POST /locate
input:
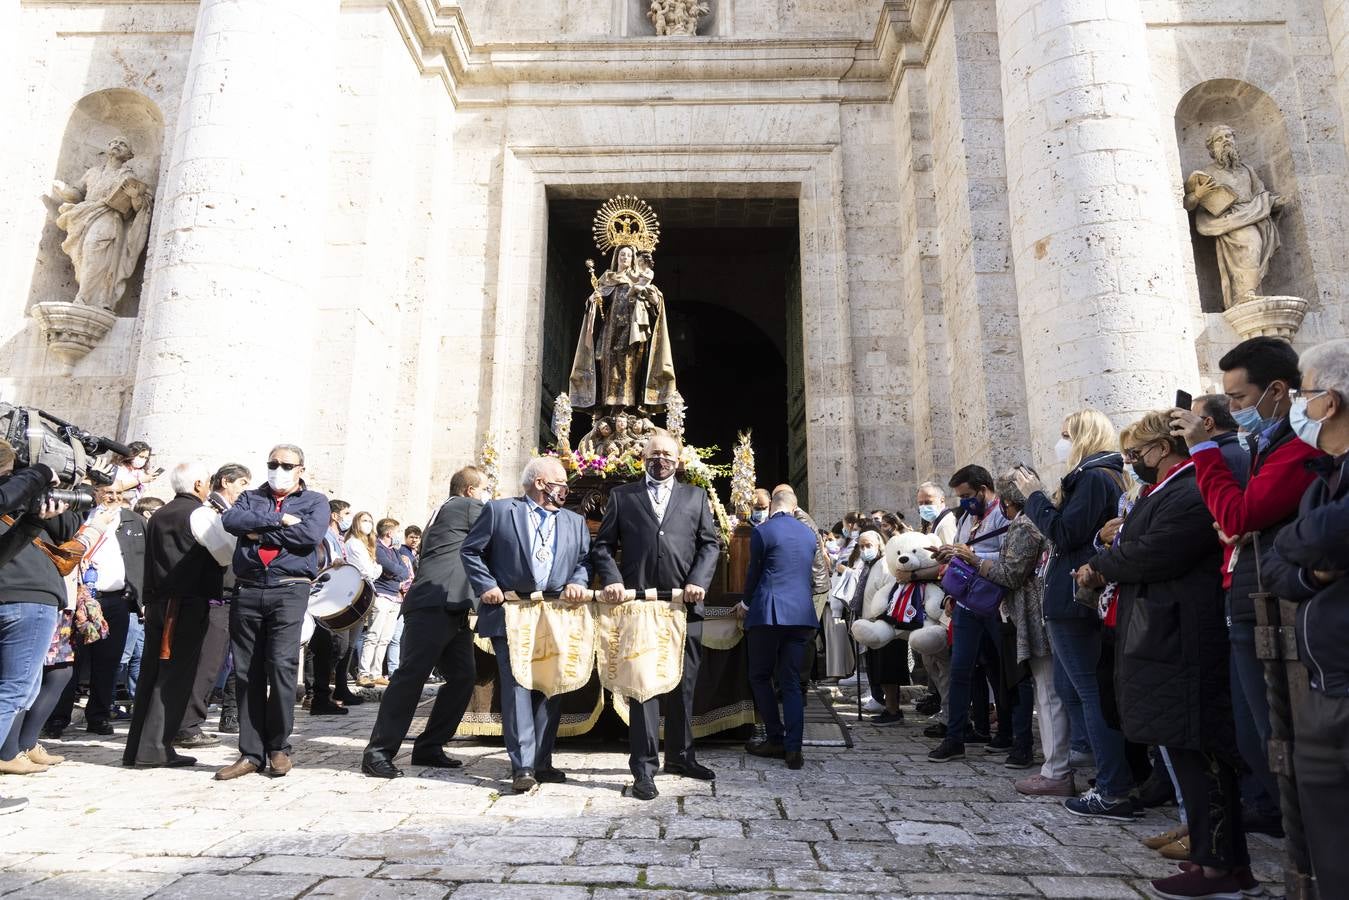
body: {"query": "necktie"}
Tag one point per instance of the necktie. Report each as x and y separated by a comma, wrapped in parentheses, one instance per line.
(659, 496)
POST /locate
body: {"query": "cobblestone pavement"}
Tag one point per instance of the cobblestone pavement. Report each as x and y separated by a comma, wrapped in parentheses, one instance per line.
(878, 819)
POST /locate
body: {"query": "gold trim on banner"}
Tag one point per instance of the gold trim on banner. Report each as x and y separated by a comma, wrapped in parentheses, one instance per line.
(572, 724)
(732, 715)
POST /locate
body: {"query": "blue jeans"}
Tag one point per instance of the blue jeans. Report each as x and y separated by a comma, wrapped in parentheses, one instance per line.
(1250, 714)
(1077, 649)
(131, 654)
(26, 631)
(395, 650)
(971, 637)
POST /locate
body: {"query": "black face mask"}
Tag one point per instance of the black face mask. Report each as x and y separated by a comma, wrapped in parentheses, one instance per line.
(660, 469)
(1146, 473)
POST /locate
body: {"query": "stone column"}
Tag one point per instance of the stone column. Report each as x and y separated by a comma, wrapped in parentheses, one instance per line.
(1104, 321)
(227, 352)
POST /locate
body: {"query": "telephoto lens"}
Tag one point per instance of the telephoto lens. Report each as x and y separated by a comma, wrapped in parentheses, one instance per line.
(79, 499)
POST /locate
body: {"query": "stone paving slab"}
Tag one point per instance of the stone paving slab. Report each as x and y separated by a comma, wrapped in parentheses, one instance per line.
(878, 820)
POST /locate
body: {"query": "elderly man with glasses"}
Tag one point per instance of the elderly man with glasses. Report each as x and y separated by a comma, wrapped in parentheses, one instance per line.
(279, 526)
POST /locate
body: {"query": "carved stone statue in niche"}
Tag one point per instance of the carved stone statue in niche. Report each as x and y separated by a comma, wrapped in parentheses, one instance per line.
(1232, 206)
(676, 16)
(106, 217)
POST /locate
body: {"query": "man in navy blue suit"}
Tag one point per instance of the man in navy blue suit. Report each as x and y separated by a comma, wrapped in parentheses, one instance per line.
(779, 621)
(526, 544)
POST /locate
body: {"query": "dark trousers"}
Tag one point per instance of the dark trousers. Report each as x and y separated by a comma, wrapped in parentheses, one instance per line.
(975, 639)
(265, 625)
(644, 718)
(214, 646)
(1250, 714)
(164, 688)
(779, 651)
(105, 658)
(1321, 760)
(327, 649)
(431, 638)
(1212, 798)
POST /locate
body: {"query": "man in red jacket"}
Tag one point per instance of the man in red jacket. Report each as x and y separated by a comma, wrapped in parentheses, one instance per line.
(1257, 377)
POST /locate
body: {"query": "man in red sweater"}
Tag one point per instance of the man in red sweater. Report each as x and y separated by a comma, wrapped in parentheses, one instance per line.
(1257, 376)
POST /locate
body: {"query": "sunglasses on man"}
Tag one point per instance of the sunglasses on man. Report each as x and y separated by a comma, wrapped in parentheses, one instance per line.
(278, 464)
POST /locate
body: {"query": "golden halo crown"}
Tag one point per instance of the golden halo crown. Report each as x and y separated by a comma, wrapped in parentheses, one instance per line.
(626, 221)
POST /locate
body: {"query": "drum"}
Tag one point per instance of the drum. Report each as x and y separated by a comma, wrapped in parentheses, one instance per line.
(340, 597)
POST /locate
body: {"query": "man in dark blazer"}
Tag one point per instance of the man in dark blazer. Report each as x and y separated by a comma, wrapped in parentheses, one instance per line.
(665, 533)
(780, 621)
(435, 633)
(526, 544)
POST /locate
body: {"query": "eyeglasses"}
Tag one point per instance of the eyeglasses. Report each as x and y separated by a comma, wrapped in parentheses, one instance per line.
(1308, 394)
(1134, 454)
(557, 485)
(278, 464)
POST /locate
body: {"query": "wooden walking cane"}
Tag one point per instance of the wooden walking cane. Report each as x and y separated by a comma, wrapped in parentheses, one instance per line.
(170, 620)
(1286, 682)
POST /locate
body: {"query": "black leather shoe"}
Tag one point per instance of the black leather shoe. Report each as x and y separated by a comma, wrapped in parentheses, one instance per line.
(177, 761)
(326, 709)
(523, 781)
(691, 770)
(228, 725)
(765, 749)
(645, 790)
(379, 767)
(550, 776)
(935, 730)
(795, 760)
(349, 699)
(435, 760)
(101, 727)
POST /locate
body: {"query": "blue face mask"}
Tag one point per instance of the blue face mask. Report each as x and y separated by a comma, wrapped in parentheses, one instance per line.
(975, 506)
(1249, 419)
(928, 512)
(758, 516)
(1307, 429)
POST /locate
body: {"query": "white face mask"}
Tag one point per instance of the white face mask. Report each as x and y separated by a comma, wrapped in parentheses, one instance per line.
(139, 462)
(281, 480)
(366, 526)
(869, 554)
(344, 523)
(1062, 449)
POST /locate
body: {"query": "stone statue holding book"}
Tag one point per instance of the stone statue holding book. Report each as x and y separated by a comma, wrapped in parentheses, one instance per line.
(1232, 206)
(106, 217)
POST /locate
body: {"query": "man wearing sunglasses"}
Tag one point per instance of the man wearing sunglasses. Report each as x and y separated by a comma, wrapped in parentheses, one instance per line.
(279, 527)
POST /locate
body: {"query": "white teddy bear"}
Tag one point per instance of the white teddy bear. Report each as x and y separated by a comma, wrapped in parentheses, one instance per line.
(908, 552)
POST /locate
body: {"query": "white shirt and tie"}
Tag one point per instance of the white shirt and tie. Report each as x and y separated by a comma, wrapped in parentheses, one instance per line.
(659, 493)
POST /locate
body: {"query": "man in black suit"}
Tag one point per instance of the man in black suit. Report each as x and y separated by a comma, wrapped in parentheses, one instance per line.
(436, 633)
(668, 540)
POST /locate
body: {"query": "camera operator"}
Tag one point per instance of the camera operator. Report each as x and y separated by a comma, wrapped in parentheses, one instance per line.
(31, 592)
(117, 564)
(19, 489)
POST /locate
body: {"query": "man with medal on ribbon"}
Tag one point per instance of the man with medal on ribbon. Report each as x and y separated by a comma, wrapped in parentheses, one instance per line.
(668, 541)
(522, 545)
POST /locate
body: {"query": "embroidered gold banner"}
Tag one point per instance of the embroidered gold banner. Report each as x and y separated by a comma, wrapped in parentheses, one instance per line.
(639, 647)
(552, 644)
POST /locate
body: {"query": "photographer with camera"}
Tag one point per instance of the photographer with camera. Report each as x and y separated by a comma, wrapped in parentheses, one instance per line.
(32, 590)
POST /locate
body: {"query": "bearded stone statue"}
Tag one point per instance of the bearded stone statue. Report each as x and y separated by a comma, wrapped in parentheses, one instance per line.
(1232, 206)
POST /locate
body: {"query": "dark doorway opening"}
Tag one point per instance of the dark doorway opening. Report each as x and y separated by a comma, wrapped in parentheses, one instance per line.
(727, 268)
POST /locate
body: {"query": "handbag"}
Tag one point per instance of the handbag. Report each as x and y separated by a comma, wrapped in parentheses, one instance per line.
(90, 624)
(963, 583)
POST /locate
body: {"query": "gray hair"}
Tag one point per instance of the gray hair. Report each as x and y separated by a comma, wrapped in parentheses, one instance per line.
(289, 448)
(933, 486)
(1007, 491)
(185, 476)
(535, 468)
(1331, 362)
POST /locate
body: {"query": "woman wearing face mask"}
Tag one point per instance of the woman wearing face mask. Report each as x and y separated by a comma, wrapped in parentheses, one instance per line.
(1087, 498)
(1172, 682)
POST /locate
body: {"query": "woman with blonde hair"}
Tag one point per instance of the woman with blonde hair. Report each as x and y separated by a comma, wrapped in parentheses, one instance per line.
(1087, 498)
(362, 554)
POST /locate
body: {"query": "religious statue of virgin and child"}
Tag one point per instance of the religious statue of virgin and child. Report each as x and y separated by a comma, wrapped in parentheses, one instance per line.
(623, 370)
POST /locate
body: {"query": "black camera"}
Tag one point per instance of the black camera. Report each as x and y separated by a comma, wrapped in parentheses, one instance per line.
(39, 436)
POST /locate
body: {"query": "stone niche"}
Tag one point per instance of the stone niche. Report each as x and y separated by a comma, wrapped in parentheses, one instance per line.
(1262, 141)
(97, 118)
(638, 24)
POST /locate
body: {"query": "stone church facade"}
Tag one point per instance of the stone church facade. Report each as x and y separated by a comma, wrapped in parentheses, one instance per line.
(350, 211)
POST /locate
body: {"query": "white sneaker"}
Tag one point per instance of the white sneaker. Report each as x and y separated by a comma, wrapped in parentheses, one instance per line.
(852, 680)
(871, 706)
